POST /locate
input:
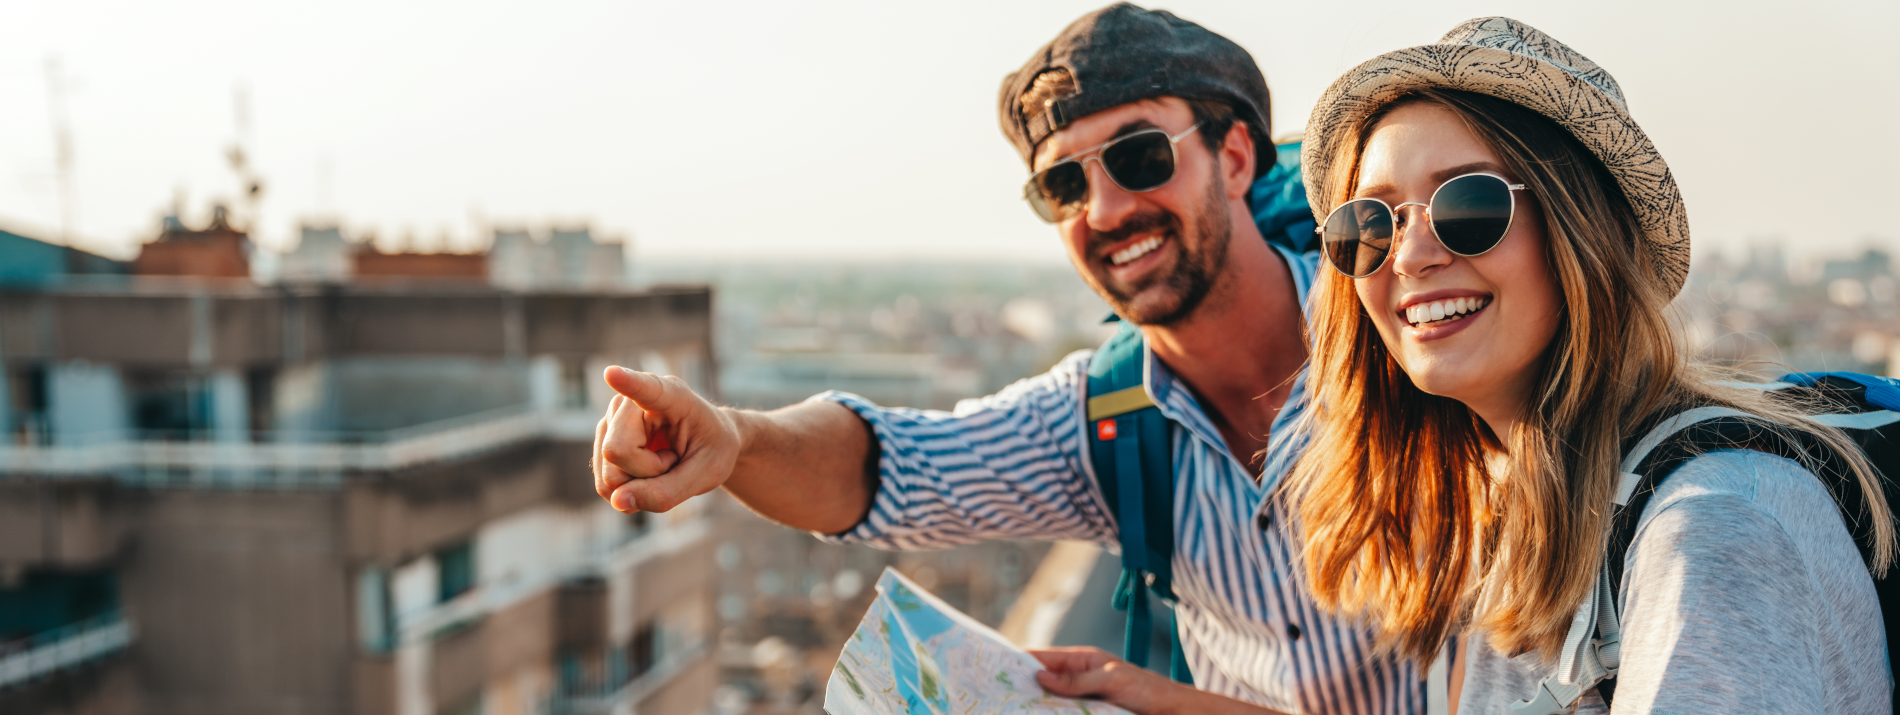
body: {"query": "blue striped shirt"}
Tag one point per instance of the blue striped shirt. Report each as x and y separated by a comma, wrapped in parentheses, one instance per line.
(1014, 465)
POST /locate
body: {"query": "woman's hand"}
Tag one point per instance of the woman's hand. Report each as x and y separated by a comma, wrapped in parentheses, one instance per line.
(1093, 673)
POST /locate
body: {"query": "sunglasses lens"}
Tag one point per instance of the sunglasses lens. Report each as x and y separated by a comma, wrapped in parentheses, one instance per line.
(1140, 162)
(1358, 235)
(1058, 192)
(1471, 213)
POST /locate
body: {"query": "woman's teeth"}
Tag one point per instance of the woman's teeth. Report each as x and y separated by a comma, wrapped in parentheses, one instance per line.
(1133, 252)
(1445, 310)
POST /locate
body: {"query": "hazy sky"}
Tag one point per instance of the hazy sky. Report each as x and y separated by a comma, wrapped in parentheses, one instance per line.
(832, 130)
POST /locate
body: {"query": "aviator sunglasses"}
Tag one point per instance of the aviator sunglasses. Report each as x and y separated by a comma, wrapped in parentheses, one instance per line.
(1470, 214)
(1136, 162)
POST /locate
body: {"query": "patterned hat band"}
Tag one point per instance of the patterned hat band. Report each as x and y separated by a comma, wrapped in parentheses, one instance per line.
(1515, 62)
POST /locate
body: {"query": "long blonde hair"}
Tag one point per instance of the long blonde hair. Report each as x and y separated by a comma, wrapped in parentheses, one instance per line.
(1403, 522)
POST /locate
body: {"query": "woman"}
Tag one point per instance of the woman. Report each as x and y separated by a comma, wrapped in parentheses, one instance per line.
(1506, 243)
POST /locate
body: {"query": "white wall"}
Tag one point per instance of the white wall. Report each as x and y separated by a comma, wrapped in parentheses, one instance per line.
(87, 404)
(230, 407)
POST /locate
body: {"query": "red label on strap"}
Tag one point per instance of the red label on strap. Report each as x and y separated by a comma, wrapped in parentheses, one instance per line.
(1105, 430)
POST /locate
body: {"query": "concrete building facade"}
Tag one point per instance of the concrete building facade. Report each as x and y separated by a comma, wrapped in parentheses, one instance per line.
(217, 497)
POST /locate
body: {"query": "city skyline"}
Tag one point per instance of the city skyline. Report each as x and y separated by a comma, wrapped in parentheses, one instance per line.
(820, 131)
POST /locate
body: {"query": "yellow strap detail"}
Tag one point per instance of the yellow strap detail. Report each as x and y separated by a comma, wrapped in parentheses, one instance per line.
(1119, 402)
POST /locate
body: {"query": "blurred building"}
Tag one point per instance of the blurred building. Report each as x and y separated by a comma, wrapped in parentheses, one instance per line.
(369, 264)
(322, 255)
(571, 257)
(26, 262)
(563, 259)
(1766, 314)
(217, 251)
(218, 497)
(917, 335)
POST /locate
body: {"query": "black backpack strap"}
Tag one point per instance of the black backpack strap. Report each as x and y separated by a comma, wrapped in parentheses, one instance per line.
(1667, 444)
(1668, 447)
(1131, 452)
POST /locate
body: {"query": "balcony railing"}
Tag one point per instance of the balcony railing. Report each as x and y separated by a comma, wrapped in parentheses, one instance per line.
(67, 647)
(613, 690)
(421, 625)
(294, 460)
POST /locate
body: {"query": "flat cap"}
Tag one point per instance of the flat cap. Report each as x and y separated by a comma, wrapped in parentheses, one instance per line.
(1121, 54)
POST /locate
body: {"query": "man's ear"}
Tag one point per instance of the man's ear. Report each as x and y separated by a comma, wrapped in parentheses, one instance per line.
(1237, 157)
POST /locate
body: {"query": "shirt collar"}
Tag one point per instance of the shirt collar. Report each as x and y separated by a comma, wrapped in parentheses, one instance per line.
(1178, 403)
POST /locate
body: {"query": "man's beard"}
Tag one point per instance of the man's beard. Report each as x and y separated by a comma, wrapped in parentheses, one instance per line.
(1195, 268)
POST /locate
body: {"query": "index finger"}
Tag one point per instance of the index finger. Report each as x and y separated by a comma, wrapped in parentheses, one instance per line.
(646, 389)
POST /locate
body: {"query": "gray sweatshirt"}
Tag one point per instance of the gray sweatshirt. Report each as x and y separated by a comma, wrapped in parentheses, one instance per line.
(1742, 593)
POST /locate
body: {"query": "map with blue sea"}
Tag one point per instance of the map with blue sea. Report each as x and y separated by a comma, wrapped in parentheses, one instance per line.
(915, 655)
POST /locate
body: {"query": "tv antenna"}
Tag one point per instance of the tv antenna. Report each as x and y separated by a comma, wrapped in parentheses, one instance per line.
(239, 154)
(56, 88)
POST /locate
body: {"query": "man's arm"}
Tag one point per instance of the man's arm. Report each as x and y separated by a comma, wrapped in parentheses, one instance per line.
(811, 466)
(1003, 466)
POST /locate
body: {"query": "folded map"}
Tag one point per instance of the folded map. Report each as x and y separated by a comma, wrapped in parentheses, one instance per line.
(915, 655)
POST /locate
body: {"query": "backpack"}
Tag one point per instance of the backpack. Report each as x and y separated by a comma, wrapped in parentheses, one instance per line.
(1864, 407)
(1130, 441)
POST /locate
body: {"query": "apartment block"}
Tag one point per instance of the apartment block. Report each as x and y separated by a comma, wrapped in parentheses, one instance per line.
(219, 497)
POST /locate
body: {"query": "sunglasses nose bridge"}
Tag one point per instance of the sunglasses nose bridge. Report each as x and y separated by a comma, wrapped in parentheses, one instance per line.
(1411, 257)
(1403, 226)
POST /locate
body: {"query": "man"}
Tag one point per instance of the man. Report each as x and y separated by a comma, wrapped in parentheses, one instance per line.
(1178, 254)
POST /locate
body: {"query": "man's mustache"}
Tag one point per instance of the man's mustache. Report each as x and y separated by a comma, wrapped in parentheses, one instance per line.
(1136, 225)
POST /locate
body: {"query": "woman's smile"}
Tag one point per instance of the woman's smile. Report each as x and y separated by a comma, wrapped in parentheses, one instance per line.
(1441, 314)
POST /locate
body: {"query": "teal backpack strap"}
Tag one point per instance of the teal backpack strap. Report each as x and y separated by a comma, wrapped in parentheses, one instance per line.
(1131, 450)
(1130, 441)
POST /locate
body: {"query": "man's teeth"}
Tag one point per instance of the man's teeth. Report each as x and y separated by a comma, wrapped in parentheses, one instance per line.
(1438, 310)
(1136, 251)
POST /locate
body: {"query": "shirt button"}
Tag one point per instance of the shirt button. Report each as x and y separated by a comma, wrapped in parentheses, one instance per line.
(1293, 631)
(1264, 521)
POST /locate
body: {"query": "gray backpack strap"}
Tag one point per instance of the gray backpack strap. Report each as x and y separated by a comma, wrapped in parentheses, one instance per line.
(1593, 647)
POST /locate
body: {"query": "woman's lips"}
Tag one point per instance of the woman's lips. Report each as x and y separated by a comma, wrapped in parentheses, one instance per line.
(1446, 325)
(1443, 310)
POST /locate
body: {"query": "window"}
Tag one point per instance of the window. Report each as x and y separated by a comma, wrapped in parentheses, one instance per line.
(39, 601)
(644, 651)
(376, 627)
(26, 388)
(455, 571)
(573, 384)
(168, 405)
(260, 388)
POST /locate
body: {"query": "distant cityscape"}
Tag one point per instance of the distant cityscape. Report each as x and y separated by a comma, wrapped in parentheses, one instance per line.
(350, 478)
(1768, 314)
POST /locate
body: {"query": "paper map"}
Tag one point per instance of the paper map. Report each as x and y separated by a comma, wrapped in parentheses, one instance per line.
(915, 655)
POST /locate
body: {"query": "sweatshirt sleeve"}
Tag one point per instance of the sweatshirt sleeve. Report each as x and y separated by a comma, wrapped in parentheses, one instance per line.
(1745, 594)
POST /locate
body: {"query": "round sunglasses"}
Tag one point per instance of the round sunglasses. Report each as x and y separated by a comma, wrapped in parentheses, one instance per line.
(1136, 162)
(1470, 214)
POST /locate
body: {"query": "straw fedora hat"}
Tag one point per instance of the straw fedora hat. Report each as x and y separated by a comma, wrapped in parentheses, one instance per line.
(1515, 62)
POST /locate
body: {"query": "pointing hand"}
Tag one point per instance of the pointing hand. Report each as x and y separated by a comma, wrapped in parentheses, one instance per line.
(660, 444)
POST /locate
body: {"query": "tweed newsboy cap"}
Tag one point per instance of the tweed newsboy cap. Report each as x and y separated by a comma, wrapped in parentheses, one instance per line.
(1515, 62)
(1123, 53)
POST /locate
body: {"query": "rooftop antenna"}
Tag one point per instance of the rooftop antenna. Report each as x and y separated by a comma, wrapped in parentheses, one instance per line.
(62, 149)
(251, 186)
